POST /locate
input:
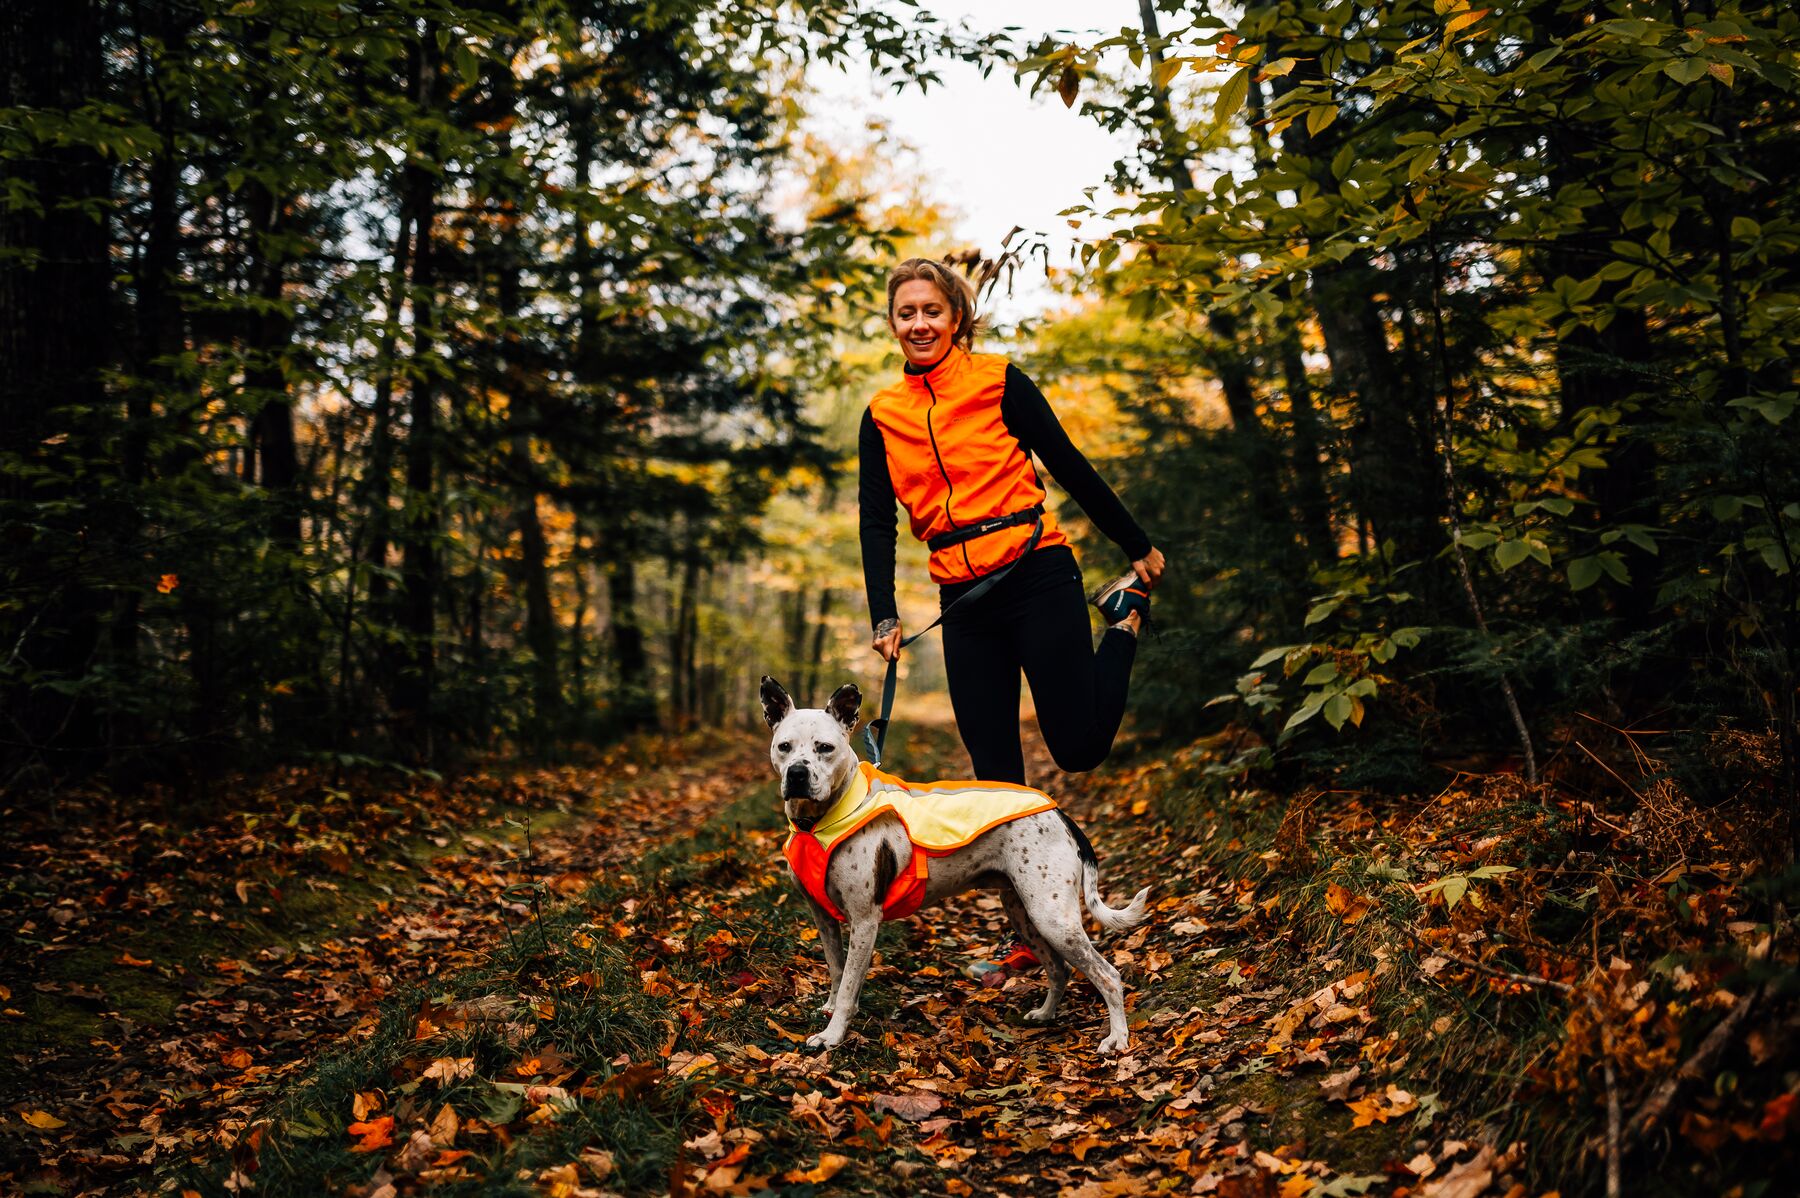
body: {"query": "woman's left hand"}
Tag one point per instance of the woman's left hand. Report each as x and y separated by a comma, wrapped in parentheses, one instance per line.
(1149, 568)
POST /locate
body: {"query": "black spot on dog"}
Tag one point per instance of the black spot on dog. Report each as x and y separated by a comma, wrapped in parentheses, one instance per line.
(886, 870)
(1083, 845)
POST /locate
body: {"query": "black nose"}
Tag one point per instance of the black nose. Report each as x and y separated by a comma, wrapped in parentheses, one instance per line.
(798, 779)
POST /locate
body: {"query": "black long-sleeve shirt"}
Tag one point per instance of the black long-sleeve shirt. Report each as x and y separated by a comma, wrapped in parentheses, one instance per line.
(1028, 417)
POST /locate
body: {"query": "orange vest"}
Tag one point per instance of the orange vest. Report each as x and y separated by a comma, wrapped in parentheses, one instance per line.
(953, 463)
(939, 818)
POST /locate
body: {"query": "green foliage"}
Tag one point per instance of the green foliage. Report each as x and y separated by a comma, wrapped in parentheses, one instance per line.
(433, 360)
(1530, 278)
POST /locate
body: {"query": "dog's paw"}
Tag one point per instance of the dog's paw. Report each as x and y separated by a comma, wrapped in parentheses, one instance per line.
(1038, 1016)
(1114, 1045)
(822, 1042)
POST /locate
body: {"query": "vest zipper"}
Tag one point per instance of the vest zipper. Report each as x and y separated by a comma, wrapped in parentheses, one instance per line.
(949, 490)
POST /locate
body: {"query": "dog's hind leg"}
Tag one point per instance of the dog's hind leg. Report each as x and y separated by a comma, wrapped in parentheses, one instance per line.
(857, 955)
(1062, 928)
(1056, 970)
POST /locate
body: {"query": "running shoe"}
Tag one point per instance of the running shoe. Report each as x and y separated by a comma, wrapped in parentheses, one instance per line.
(1015, 957)
(1122, 596)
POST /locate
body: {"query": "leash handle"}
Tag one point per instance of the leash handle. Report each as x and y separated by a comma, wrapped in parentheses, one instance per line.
(875, 731)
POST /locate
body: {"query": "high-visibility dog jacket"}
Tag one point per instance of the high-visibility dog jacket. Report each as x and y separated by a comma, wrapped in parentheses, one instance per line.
(953, 463)
(940, 817)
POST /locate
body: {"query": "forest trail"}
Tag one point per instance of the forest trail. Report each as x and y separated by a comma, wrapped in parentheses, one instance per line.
(983, 1104)
(620, 1009)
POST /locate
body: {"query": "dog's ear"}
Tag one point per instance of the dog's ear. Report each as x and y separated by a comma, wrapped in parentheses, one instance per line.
(843, 705)
(775, 702)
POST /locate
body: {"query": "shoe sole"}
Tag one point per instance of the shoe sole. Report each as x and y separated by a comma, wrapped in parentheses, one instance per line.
(1122, 583)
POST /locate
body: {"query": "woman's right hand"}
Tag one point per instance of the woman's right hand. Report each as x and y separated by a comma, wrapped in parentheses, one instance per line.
(887, 639)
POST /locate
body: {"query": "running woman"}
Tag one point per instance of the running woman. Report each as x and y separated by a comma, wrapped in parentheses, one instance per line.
(952, 441)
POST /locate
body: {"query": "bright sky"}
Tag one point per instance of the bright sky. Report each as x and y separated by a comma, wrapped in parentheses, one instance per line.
(999, 156)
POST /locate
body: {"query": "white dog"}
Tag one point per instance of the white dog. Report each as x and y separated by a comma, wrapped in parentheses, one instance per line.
(866, 846)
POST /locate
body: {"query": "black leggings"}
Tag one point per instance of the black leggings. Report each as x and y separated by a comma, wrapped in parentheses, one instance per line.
(1036, 620)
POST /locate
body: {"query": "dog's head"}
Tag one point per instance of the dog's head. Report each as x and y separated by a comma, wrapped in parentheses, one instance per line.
(811, 749)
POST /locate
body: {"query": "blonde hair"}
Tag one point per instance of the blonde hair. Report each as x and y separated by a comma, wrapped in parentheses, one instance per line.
(957, 291)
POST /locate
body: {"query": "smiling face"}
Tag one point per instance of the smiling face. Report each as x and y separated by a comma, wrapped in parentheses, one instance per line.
(810, 750)
(923, 319)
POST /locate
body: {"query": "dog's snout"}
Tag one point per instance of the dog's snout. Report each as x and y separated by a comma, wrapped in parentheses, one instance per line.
(797, 781)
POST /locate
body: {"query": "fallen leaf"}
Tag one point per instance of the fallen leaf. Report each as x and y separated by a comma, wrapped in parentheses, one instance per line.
(373, 1135)
(1336, 1088)
(1080, 1147)
(445, 1070)
(237, 1058)
(1348, 906)
(1380, 1108)
(829, 1165)
(911, 1107)
(43, 1120)
(415, 1154)
(125, 958)
(444, 1127)
(1466, 1180)
(598, 1162)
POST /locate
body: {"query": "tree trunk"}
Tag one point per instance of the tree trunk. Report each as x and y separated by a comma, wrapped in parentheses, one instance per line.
(632, 698)
(578, 629)
(419, 563)
(1391, 457)
(1234, 371)
(55, 283)
(265, 383)
(540, 625)
(815, 658)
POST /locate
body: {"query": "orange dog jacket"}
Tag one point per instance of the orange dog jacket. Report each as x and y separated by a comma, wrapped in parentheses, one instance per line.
(939, 817)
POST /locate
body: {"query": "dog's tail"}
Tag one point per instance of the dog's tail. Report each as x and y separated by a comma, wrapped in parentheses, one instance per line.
(1113, 919)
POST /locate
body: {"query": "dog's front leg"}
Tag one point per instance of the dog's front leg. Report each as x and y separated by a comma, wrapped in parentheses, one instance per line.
(831, 940)
(861, 951)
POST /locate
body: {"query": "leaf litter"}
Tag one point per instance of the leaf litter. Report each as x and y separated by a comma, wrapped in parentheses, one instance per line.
(1264, 1061)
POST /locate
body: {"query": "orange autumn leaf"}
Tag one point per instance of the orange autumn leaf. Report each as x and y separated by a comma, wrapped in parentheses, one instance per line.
(167, 583)
(1379, 1108)
(374, 1135)
(1340, 901)
(829, 1165)
(43, 1120)
(125, 958)
(1086, 1144)
(1778, 1115)
(237, 1058)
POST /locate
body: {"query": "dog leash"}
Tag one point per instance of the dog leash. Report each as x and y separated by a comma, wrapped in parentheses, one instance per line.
(875, 731)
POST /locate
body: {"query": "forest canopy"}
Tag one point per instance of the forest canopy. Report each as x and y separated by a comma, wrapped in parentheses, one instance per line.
(382, 380)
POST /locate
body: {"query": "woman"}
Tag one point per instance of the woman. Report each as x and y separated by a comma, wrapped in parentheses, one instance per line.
(952, 441)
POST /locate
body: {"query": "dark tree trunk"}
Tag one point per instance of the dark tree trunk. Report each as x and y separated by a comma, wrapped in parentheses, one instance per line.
(1392, 465)
(815, 658)
(54, 317)
(540, 625)
(157, 327)
(419, 563)
(632, 697)
(1314, 500)
(1235, 373)
(578, 627)
(272, 430)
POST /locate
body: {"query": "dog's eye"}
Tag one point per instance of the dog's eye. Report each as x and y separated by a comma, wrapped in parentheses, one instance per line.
(824, 748)
(784, 747)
